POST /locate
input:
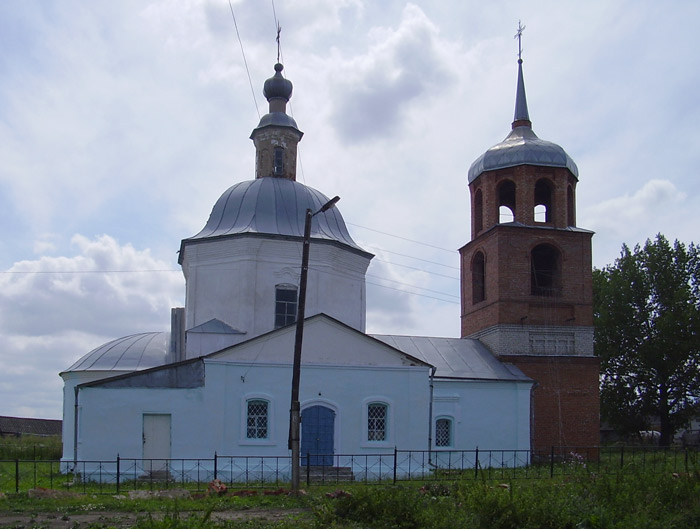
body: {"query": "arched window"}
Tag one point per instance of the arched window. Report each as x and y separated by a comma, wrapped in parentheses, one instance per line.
(540, 213)
(279, 161)
(505, 214)
(478, 278)
(256, 419)
(443, 432)
(545, 264)
(544, 206)
(478, 211)
(376, 421)
(506, 201)
(570, 207)
(285, 305)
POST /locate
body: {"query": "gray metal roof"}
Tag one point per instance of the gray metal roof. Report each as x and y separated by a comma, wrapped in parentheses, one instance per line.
(131, 353)
(462, 358)
(273, 206)
(522, 146)
(456, 357)
(214, 326)
(26, 426)
(276, 119)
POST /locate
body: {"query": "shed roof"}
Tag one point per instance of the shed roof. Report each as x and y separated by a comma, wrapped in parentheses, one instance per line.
(463, 358)
(25, 426)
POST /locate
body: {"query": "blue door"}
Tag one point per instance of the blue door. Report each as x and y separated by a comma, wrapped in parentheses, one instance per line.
(317, 425)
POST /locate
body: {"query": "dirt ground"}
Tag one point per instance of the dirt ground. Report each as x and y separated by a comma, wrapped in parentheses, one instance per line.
(127, 519)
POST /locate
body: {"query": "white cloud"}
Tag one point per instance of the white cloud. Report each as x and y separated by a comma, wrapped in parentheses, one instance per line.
(642, 208)
(372, 92)
(53, 310)
(131, 118)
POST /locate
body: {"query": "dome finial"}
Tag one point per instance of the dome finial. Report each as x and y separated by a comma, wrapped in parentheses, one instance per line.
(522, 116)
(519, 36)
(279, 45)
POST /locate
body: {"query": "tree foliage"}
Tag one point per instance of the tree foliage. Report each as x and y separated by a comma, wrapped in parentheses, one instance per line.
(647, 322)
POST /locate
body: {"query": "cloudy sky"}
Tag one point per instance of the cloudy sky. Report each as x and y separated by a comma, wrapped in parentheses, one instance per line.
(121, 123)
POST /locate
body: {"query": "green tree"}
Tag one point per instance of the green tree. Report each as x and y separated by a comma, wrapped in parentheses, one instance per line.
(647, 334)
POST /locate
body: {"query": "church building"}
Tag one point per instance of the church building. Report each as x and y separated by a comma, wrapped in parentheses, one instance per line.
(521, 376)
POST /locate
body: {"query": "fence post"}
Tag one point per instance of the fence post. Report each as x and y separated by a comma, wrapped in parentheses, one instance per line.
(395, 463)
(308, 470)
(216, 466)
(476, 463)
(16, 475)
(622, 456)
(118, 471)
(551, 463)
(686, 459)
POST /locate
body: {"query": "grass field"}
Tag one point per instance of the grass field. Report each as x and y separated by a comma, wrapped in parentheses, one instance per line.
(622, 489)
(580, 501)
(30, 447)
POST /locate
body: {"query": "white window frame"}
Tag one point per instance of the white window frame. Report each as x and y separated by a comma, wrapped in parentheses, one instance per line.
(244, 439)
(451, 421)
(388, 440)
(290, 287)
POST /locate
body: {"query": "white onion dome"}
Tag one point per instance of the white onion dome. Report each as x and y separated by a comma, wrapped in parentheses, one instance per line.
(521, 146)
(273, 207)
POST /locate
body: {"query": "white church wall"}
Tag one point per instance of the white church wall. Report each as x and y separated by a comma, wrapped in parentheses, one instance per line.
(325, 342)
(213, 418)
(111, 421)
(200, 344)
(491, 415)
(216, 288)
(345, 389)
(70, 381)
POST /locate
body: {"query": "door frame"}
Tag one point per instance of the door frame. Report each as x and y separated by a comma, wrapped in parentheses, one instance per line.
(336, 421)
(153, 464)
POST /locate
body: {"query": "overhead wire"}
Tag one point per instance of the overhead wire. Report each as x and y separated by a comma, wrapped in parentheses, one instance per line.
(412, 257)
(280, 58)
(245, 62)
(402, 238)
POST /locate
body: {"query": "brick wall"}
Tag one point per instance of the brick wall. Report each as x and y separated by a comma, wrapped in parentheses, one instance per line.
(507, 250)
(566, 401)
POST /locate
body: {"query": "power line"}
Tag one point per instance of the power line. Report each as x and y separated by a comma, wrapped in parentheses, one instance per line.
(402, 238)
(412, 293)
(86, 271)
(412, 286)
(416, 258)
(415, 268)
(250, 81)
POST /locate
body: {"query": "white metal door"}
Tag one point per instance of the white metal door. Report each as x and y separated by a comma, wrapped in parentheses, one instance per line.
(156, 441)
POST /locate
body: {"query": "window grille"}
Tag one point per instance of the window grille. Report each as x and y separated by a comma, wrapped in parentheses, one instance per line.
(376, 422)
(443, 432)
(257, 419)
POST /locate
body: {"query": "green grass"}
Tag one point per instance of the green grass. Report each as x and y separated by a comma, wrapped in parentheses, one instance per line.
(584, 501)
(623, 490)
(31, 447)
(592, 502)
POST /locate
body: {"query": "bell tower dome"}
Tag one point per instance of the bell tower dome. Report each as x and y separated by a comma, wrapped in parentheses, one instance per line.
(526, 277)
(276, 137)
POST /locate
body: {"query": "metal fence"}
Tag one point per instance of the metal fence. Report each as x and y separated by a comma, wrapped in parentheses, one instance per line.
(30, 451)
(264, 472)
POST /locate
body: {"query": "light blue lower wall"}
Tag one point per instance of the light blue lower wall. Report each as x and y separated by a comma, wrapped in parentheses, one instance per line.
(211, 419)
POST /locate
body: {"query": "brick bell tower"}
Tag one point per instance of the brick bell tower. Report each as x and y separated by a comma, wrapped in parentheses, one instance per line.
(526, 279)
